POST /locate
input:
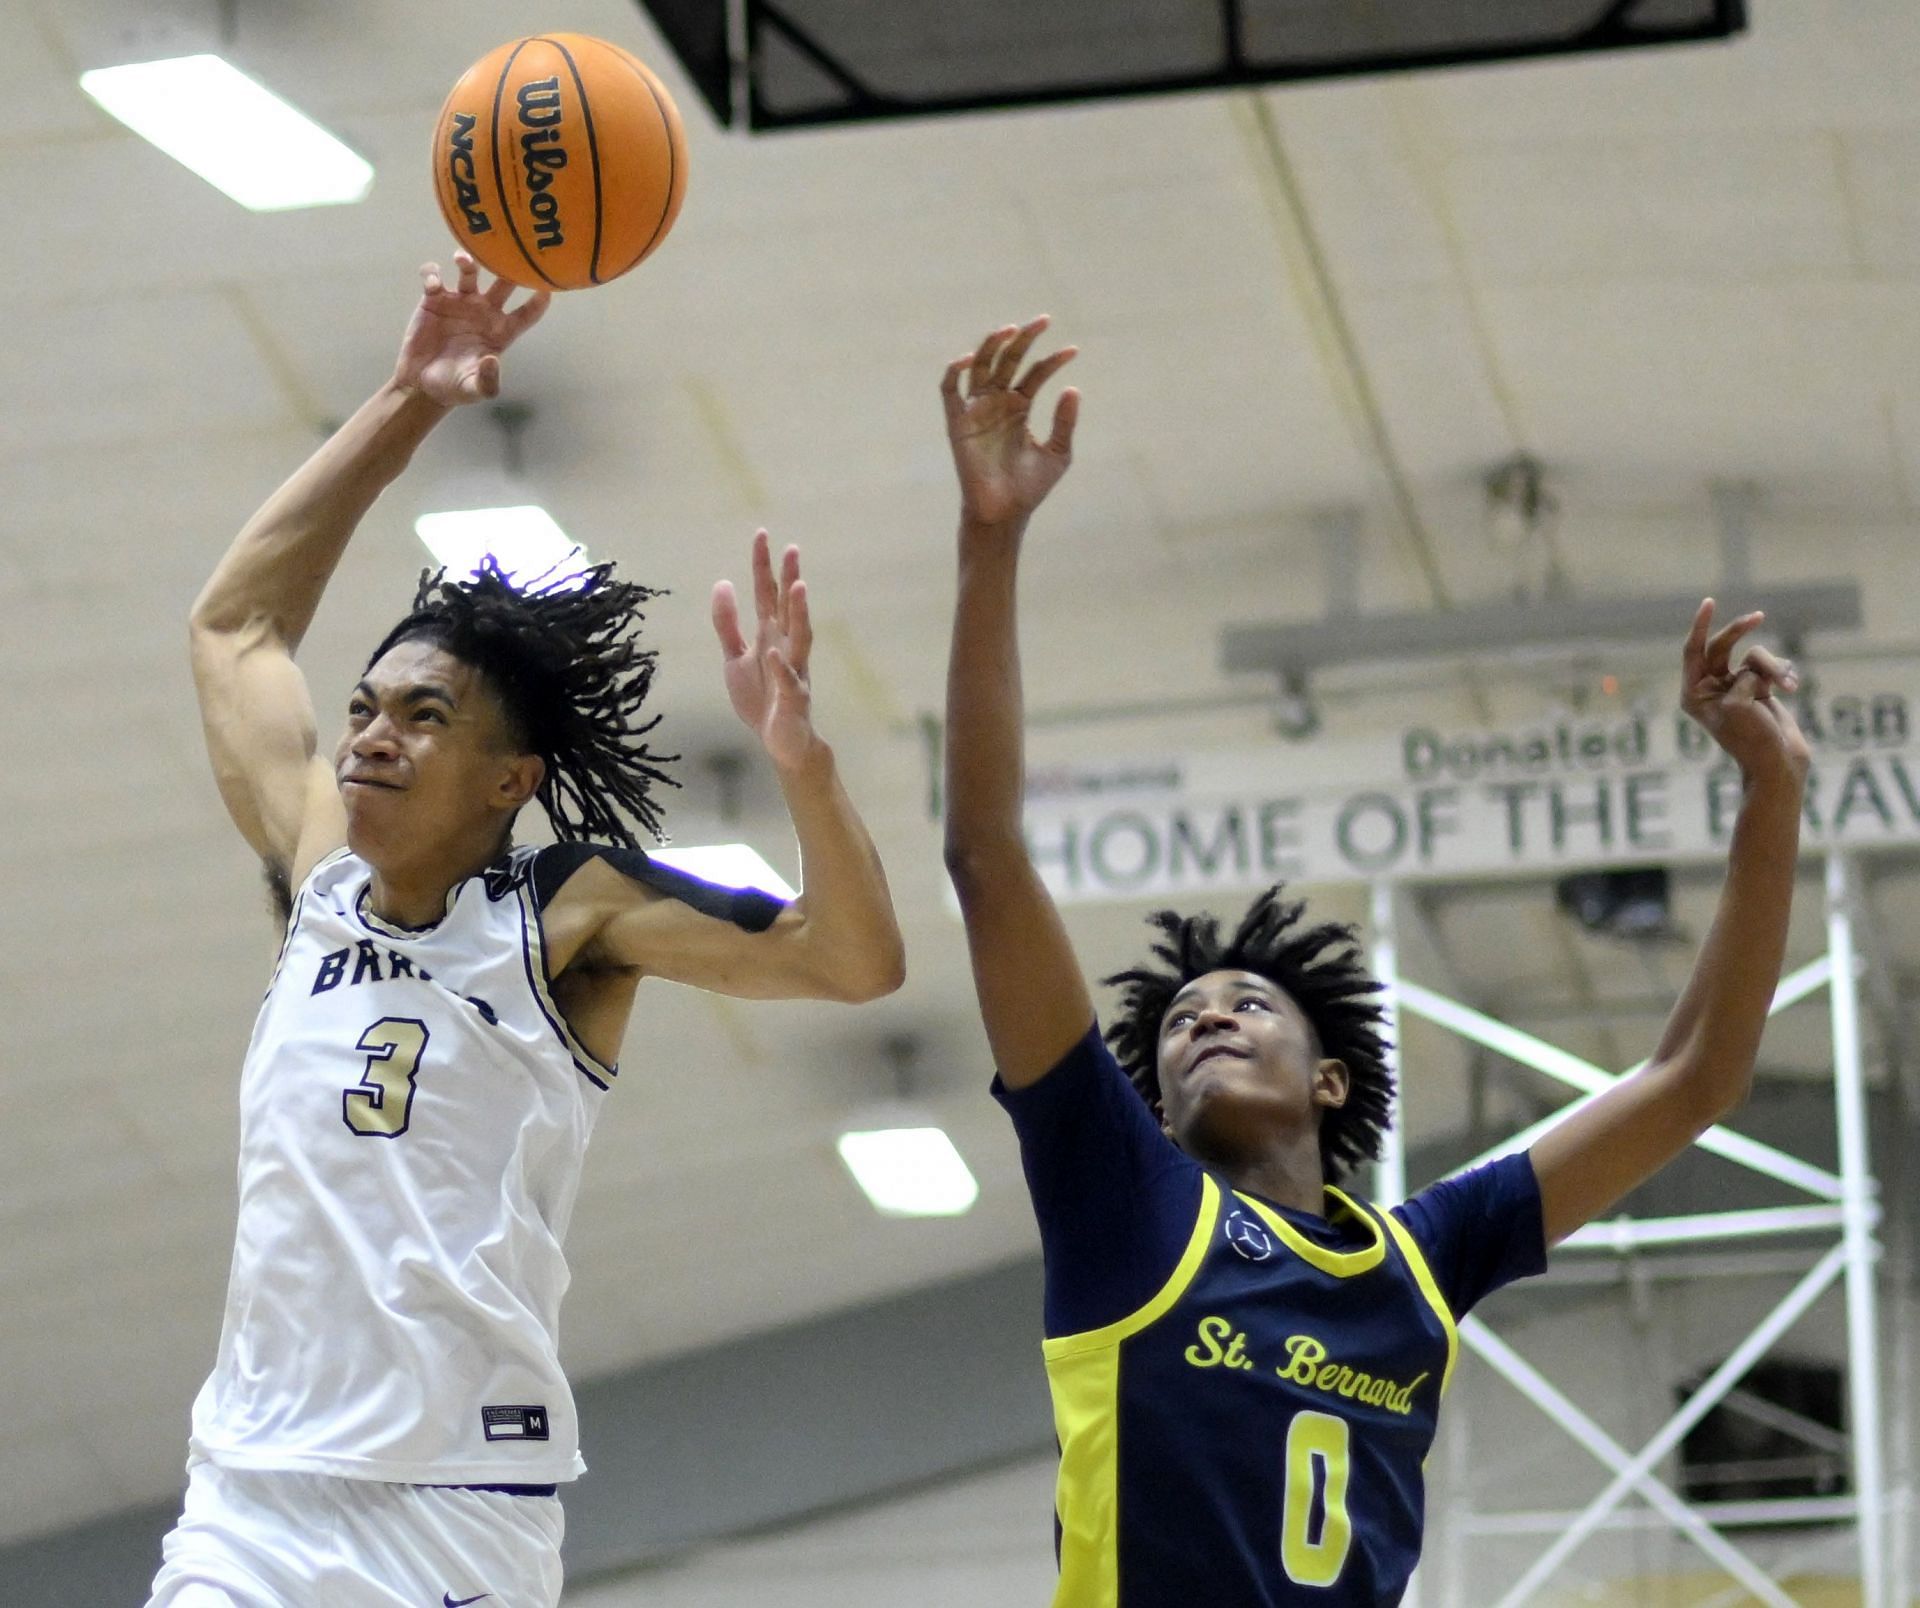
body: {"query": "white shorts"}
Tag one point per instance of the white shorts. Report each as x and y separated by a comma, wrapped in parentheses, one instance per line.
(278, 1539)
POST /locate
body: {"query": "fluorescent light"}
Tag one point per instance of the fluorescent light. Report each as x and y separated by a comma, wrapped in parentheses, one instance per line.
(909, 1172)
(525, 541)
(732, 865)
(233, 131)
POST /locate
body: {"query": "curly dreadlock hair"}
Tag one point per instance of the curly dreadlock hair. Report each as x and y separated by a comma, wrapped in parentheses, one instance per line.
(1320, 970)
(563, 658)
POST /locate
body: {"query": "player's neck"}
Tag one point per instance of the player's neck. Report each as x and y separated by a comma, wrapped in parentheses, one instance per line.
(413, 893)
(1286, 1177)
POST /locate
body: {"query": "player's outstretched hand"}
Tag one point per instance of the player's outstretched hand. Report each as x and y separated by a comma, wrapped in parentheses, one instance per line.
(451, 351)
(767, 678)
(1737, 703)
(1005, 473)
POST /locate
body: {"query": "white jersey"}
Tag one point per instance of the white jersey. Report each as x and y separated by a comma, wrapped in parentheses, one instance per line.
(414, 1116)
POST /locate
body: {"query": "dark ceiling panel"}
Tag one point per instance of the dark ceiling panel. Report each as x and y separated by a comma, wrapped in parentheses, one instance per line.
(836, 61)
(697, 31)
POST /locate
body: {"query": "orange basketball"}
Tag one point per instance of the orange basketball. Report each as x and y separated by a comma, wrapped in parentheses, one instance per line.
(559, 161)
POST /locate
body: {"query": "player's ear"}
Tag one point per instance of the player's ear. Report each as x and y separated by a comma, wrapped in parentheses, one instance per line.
(1331, 1084)
(520, 778)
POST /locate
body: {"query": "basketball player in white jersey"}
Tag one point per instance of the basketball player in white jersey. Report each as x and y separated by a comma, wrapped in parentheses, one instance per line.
(386, 1422)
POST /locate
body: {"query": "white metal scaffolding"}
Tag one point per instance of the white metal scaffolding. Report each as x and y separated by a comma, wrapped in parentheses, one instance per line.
(1842, 1204)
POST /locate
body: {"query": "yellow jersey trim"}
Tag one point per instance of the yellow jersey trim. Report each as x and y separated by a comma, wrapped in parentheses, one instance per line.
(1341, 1264)
(1423, 1276)
(1162, 1302)
(1083, 1377)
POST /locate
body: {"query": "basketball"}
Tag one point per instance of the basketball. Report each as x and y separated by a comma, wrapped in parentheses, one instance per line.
(559, 161)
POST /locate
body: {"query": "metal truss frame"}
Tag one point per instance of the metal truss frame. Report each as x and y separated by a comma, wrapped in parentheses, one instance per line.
(1842, 1203)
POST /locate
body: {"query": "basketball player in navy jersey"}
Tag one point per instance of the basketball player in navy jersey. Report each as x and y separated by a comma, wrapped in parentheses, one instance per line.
(386, 1422)
(1246, 1361)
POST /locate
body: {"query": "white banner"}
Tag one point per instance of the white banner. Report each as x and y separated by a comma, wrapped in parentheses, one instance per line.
(1574, 793)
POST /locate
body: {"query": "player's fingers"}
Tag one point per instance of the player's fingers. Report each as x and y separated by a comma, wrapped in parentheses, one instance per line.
(469, 272)
(781, 672)
(1066, 413)
(980, 376)
(789, 578)
(765, 599)
(950, 387)
(529, 312)
(1693, 651)
(1045, 370)
(498, 292)
(1721, 644)
(726, 620)
(799, 628)
(486, 377)
(1746, 686)
(430, 281)
(1783, 717)
(1772, 668)
(1007, 361)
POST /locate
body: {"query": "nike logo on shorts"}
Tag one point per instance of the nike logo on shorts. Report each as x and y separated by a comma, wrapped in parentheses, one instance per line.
(448, 1600)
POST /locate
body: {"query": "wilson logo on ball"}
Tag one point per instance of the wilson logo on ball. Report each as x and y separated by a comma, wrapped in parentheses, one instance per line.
(559, 161)
(541, 156)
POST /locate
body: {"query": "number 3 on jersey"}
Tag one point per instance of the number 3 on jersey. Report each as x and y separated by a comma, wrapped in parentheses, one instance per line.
(380, 1104)
(1310, 1559)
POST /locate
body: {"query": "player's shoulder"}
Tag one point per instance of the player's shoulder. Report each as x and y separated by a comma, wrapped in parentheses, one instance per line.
(1479, 1229)
(544, 871)
(1086, 1066)
(510, 873)
(613, 874)
(1476, 1193)
(334, 869)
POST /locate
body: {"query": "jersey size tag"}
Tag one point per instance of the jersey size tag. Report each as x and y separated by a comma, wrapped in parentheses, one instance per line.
(514, 1423)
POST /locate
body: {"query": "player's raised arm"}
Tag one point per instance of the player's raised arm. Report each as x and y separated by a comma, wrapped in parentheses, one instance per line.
(1703, 1066)
(1032, 997)
(256, 607)
(839, 939)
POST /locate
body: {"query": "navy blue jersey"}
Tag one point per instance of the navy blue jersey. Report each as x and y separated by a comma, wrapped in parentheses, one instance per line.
(1244, 1395)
